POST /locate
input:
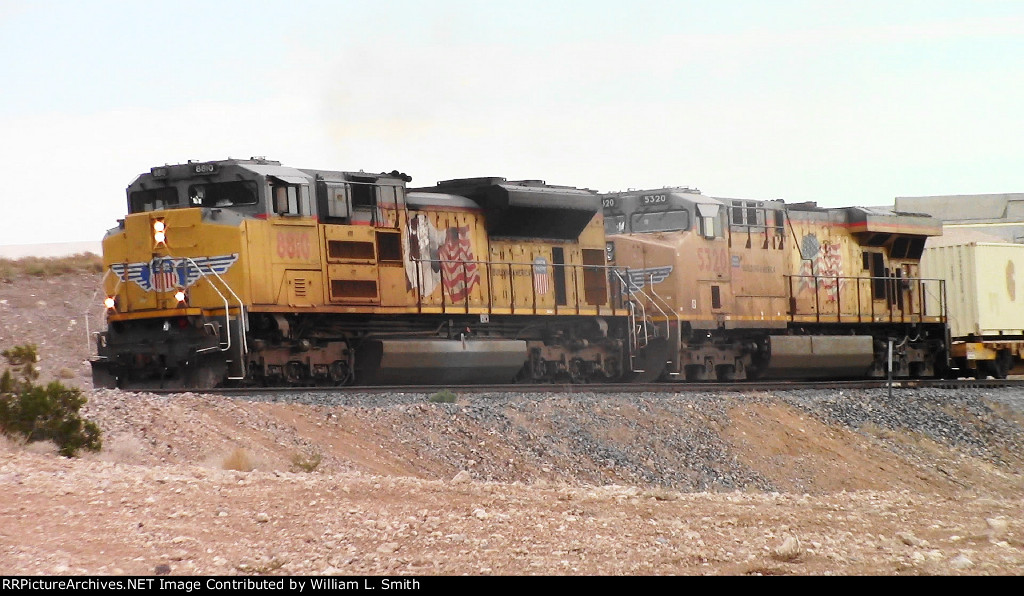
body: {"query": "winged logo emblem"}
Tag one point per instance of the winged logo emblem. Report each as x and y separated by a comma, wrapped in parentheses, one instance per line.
(638, 278)
(166, 274)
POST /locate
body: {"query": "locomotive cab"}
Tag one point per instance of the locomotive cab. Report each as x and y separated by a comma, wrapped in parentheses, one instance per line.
(739, 289)
(250, 272)
(253, 188)
(675, 244)
(204, 246)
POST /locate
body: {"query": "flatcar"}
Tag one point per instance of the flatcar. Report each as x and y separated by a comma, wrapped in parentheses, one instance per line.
(248, 272)
(741, 289)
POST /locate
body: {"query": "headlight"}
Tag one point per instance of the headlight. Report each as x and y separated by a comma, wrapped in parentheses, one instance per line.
(159, 231)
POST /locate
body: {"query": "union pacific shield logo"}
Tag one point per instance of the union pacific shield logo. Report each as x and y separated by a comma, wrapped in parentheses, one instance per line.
(638, 278)
(166, 274)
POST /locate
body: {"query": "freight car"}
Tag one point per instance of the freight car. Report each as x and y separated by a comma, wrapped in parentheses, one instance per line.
(985, 321)
(739, 289)
(250, 272)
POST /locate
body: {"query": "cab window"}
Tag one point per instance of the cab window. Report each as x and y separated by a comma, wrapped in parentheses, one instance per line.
(153, 199)
(364, 196)
(222, 194)
(660, 221)
(710, 227)
(289, 199)
(615, 224)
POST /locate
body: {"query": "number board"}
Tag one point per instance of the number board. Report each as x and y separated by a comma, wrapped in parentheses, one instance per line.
(649, 200)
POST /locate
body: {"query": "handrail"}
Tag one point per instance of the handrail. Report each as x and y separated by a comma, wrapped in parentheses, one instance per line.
(92, 301)
(241, 315)
(512, 269)
(668, 330)
(656, 301)
(924, 293)
(206, 273)
(633, 305)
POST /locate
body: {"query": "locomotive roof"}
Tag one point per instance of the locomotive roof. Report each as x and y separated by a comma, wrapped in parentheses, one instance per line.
(875, 219)
(438, 199)
(684, 193)
(283, 173)
(525, 208)
(962, 208)
(667, 189)
(259, 166)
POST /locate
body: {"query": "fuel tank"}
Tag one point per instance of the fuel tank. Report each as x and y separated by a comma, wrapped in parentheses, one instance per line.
(439, 361)
(823, 356)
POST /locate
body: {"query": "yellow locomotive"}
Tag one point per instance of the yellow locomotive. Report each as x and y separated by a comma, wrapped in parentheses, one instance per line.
(738, 289)
(250, 272)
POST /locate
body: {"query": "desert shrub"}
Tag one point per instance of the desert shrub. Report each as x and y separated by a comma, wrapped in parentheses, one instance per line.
(10, 269)
(238, 460)
(443, 396)
(43, 413)
(35, 267)
(306, 462)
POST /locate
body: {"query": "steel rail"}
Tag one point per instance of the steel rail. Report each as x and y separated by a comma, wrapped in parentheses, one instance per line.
(281, 393)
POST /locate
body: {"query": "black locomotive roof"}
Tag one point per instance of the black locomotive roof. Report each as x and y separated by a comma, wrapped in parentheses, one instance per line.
(526, 208)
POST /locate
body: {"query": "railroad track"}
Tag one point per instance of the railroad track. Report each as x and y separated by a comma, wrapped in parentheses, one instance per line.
(745, 386)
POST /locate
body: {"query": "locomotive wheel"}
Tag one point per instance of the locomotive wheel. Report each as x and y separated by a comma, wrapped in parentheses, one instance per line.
(702, 372)
(710, 372)
(984, 369)
(652, 360)
(997, 369)
(340, 374)
(1002, 364)
(726, 372)
(296, 372)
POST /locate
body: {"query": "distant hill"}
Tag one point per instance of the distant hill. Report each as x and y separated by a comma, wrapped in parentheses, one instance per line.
(56, 249)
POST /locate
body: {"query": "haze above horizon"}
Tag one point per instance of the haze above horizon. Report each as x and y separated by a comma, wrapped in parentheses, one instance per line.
(835, 102)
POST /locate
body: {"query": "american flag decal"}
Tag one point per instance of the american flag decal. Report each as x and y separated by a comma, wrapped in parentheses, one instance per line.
(541, 277)
(459, 271)
(164, 275)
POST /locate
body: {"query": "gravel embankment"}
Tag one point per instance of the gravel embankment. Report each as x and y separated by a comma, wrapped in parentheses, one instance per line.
(690, 442)
(801, 482)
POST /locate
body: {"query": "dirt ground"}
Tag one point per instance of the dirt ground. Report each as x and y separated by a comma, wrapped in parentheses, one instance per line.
(203, 485)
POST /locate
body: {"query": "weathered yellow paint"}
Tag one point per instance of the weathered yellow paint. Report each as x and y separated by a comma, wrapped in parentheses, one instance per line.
(287, 264)
(972, 351)
(187, 236)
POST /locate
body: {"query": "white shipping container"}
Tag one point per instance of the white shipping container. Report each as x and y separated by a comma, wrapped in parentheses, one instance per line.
(984, 291)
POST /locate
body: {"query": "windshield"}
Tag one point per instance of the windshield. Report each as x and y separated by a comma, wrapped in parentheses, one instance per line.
(661, 221)
(153, 199)
(222, 194)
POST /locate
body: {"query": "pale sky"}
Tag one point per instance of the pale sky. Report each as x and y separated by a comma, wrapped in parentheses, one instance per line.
(843, 103)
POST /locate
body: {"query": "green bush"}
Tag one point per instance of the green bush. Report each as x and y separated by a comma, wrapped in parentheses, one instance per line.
(443, 397)
(306, 462)
(43, 413)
